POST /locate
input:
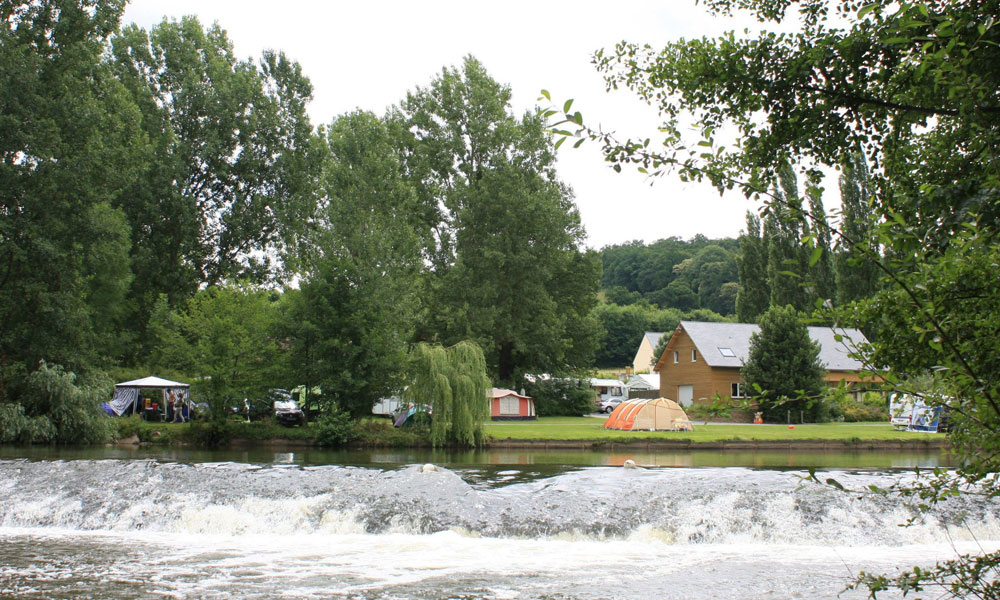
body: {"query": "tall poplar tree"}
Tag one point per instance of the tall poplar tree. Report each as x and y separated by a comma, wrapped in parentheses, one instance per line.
(787, 264)
(754, 295)
(822, 282)
(857, 276)
(354, 315)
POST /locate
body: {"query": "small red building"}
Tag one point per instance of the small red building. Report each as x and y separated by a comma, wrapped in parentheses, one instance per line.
(508, 405)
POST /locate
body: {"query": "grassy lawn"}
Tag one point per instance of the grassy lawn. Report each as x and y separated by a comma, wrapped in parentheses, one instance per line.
(589, 428)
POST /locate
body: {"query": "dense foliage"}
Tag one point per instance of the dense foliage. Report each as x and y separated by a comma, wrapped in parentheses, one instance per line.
(673, 273)
(624, 326)
(561, 397)
(504, 237)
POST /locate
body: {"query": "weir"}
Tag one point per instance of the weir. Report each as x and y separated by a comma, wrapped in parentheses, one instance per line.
(155, 526)
(687, 505)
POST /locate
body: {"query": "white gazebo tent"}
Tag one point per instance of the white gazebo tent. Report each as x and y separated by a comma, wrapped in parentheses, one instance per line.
(127, 393)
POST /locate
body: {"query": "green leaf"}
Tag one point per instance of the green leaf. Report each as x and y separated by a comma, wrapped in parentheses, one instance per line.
(545, 94)
(865, 10)
(567, 105)
(817, 253)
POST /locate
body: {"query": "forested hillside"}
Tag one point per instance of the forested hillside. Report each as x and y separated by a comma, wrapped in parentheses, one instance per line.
(673, 273)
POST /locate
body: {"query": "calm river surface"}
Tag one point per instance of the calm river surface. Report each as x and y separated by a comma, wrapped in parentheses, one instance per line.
(116, 523)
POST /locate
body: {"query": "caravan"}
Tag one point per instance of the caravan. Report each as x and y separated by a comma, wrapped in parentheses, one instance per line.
(910, 413)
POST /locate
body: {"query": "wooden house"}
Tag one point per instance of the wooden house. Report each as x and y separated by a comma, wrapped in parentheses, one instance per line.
(704, 359)
(508, 405)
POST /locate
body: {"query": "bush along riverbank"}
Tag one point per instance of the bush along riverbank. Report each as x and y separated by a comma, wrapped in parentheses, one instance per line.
(322, 433)
(547, 432)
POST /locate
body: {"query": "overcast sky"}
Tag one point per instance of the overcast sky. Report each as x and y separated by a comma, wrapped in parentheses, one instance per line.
(369, 54)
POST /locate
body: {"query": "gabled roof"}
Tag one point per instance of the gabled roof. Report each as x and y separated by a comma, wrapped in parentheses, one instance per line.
(716, 341)
(653, 337)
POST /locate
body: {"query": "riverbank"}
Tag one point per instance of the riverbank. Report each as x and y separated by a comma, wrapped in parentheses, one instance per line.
(576, 433)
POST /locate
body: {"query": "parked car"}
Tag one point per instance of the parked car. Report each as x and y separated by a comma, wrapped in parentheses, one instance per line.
(288, 413)
(607, 406)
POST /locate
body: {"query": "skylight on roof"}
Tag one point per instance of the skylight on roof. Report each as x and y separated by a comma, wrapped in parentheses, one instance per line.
(727, 352)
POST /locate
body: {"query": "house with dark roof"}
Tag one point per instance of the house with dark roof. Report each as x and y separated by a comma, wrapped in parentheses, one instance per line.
(704, 359)
(644, 358)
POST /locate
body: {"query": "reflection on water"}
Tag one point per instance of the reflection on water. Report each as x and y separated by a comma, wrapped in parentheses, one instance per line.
(392, 458)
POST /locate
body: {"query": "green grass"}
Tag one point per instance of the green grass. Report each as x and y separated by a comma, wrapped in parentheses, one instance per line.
(590, 429)
(582, 429)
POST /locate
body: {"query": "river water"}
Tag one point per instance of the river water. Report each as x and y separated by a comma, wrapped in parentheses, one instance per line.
(547, 526)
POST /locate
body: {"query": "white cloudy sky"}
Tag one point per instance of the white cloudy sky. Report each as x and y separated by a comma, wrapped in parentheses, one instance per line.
(368, 54)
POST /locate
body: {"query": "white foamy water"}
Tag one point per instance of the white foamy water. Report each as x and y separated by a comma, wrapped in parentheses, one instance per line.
(145, 529)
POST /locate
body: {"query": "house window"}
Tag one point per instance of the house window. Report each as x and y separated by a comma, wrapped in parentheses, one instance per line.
(510, 405)
(676, 359)
(737, 390)
(694, 355)
(727, 352)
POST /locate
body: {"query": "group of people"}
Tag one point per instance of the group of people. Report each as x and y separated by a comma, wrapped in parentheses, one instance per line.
(175, 400)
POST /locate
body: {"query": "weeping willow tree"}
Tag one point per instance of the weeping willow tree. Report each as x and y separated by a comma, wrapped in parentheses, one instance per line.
(453, 382)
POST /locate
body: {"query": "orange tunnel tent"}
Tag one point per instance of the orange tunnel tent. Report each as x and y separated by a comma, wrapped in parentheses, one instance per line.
(660, 414)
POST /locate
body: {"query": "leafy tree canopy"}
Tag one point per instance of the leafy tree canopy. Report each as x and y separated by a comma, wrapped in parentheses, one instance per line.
(505, 238)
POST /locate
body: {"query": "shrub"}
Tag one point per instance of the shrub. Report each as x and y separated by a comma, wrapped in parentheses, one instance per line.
(15, 426)
(561, 397)
(53, 407)
(844, 406)
(210, 434)
(381, 433)
(335, 428)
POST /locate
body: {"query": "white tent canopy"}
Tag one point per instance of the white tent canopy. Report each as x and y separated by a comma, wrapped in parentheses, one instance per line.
(127, 393)
(152, 382)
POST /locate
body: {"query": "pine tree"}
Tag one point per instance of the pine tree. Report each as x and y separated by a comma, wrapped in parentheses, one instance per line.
(783, 363)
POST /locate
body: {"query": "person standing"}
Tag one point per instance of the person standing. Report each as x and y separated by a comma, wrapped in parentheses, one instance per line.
(175, 405)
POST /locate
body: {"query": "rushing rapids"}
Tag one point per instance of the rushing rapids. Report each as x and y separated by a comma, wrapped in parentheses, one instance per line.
(143, 528)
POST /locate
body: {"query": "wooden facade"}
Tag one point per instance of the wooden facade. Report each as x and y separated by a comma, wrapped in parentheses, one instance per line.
(687, 377)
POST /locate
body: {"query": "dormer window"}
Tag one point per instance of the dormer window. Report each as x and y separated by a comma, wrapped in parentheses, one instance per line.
(727, 352)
